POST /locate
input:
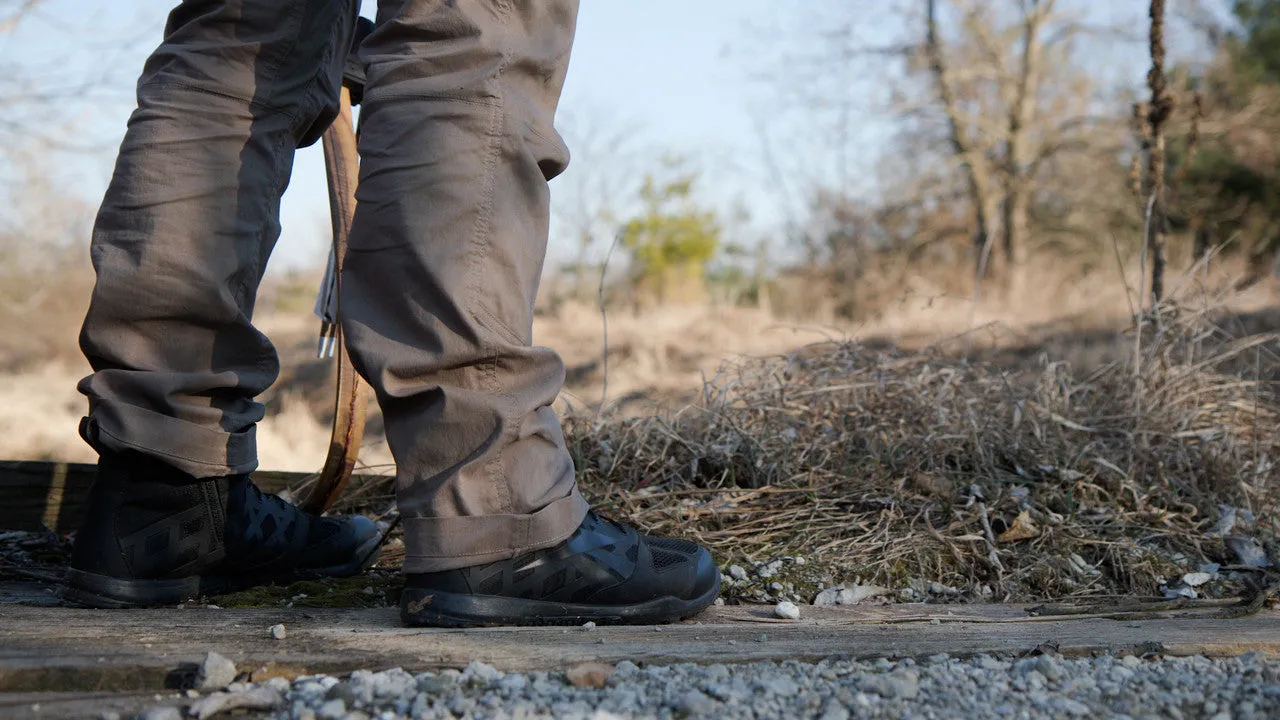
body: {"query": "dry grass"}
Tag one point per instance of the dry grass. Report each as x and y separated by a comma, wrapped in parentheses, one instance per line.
(895, 467)
(887, 459)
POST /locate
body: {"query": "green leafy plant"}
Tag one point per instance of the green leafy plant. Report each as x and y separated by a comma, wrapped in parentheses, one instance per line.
(672, 239)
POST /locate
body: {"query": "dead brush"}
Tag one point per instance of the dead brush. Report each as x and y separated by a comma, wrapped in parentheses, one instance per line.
(893, 468)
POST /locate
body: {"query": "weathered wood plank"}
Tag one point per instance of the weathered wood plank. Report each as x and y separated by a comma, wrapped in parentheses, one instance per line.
(86, 650)
(80, 705)
(41, 495)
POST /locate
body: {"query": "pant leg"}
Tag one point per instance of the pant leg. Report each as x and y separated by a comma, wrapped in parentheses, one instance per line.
(457, 146)
(189, 219)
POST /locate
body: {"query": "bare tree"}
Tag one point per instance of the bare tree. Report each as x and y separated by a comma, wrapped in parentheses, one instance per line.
(1158, 111)
(48, 97)
(1015, 100)
(13, 11)
(969, 150)
(1003, 118)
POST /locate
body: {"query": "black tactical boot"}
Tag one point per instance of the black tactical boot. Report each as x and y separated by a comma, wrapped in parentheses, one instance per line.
(605, 572)
(154, 535)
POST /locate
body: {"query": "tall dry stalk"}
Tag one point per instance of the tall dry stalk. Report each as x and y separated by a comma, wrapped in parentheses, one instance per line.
(1158, 112)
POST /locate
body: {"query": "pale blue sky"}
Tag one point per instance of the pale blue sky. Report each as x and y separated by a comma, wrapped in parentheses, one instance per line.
(648, 78)
(665, 76)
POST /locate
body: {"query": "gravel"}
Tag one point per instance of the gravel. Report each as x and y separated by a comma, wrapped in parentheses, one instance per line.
(1045, 686)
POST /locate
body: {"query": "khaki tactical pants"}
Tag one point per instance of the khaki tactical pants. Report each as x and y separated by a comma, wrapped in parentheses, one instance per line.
(457, 147)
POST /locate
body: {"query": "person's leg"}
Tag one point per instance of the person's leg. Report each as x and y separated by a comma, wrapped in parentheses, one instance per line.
(179, 246)
(188, 221)
(457, 147)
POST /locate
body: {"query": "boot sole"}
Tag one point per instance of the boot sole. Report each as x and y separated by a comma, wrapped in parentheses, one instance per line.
(102, 591)
(420, 607)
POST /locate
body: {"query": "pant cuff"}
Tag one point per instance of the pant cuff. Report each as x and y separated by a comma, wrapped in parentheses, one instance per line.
(197, 450)
(458, 542)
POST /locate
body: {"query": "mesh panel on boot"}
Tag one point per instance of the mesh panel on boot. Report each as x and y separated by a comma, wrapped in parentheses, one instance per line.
(663, 560)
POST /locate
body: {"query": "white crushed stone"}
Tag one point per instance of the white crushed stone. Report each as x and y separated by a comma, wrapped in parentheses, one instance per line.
(215, 672)
(1243, 688)
(787, 610)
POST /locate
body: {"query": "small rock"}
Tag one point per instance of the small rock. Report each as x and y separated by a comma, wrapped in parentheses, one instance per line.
(430, 685)
(1248, 550)
(834, 711)
(695, 704)
(1131, 661)
(160, 713)
(1076, 708)
(589, 625)
(787, 610)
(109, 715)
(858, 593)
(770, 569)
(800, 561)
(986, 662)
(1181, 591)
(828, 597)
(344, 692)
(482, 673)
(725, 693)
(937, 588)
(332, 710)
(1048, 668)
(259, 698)
(1024, 666)
(278, 684)
(738, 573)
(513, 683)
(1036, 681)
(848, 595)
(1196, 579)
(215, 673)
(782, 685)
(278, 632)
(594, 675)
(392, 684)
(762, 638)
(903, 684)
